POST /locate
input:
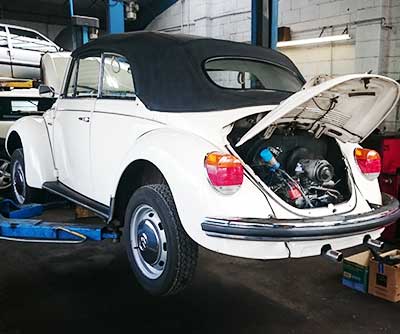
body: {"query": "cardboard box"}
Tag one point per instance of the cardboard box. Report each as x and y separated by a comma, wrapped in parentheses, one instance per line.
(384, 280)
(355, 271)
(81, 212)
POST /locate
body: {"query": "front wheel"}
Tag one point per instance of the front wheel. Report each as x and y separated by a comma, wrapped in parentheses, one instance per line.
(22, 193)
(162, 256)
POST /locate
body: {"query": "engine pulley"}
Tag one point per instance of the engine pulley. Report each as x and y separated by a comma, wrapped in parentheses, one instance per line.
(318, 170)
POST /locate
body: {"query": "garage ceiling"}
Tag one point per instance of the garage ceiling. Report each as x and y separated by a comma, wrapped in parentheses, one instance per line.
(51, 11)
(57, 11)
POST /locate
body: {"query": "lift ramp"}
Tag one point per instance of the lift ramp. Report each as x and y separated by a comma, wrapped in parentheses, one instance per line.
(16, 224)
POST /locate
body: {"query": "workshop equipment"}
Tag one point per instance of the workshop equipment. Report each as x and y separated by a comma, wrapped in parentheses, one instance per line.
(21, 227)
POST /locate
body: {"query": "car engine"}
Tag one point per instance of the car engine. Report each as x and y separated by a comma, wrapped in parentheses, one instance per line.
(305, 183)
(304, 171)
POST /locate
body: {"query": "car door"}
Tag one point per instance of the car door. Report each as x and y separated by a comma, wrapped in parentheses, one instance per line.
(27, 48)
(5, 60)
(71, 126)
(118, 120)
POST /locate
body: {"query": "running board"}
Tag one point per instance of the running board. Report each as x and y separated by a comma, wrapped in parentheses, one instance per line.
(61, 190)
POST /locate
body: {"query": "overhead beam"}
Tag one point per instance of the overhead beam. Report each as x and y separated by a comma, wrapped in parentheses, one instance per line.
(27, 10)
(49, 12)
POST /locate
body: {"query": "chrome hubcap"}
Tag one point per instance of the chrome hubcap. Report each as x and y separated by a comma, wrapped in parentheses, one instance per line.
(18, 182)
(5, 175)
(148, 241)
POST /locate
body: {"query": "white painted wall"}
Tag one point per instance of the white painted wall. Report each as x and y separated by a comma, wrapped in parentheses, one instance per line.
(225, 19)
(373, 47)
(373, 24)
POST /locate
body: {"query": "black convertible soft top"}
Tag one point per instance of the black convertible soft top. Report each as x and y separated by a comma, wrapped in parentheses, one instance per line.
(169, 74)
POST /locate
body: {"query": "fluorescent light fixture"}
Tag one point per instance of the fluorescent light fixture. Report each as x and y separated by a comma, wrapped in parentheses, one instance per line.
(318, 40)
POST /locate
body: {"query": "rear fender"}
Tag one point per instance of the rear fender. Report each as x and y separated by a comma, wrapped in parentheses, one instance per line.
(31, 132)
(180, 158)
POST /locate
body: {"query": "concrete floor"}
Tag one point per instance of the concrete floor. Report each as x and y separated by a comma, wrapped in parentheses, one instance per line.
(89, 289)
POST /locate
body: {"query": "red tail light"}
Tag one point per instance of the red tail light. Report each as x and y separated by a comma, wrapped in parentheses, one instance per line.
(369, 162)
(225, 172)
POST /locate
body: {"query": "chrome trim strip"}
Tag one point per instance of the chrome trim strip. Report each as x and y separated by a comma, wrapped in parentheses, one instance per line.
(304, 229)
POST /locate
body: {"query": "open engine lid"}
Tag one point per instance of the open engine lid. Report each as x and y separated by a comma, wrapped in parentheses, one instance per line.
(348, 108)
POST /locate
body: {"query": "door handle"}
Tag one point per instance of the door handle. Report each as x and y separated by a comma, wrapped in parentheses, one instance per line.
(84, 119)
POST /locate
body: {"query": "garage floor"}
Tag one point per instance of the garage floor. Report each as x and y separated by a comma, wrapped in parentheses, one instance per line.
(89, 289)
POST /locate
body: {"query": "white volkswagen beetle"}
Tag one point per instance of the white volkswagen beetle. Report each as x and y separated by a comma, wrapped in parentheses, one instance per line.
(185, 141)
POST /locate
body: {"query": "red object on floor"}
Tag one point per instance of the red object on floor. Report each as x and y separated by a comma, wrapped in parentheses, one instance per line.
(390, 184)
(390, 155)
(389, 180)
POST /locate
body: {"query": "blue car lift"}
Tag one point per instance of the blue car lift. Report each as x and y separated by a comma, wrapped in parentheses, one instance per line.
(17, 224)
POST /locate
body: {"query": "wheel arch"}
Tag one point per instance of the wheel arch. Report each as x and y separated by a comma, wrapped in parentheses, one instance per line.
(31, 134)
(13, 143)
(137, 174)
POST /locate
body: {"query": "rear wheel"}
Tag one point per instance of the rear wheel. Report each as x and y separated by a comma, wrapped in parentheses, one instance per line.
(162, 256)
(21, 192)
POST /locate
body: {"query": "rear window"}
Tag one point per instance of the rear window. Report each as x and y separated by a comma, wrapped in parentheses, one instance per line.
(14, 108)
(248, 74)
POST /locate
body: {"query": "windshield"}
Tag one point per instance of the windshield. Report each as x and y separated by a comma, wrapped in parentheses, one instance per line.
(248, 74)
(12, 108)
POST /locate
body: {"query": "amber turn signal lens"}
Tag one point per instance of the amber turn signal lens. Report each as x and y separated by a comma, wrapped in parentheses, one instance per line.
(225, 171)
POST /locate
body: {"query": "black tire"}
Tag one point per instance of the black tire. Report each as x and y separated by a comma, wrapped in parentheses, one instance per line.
(181, 259)
(5, 173)
(21, 192)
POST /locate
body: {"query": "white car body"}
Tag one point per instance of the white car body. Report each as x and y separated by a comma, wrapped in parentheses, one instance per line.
(53, 67)
(88, 143)
(21, 50)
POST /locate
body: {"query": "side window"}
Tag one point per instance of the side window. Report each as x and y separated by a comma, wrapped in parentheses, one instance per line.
(84, 78)
(29, 40)
(117, 78)
(3, 37)
(15, 32)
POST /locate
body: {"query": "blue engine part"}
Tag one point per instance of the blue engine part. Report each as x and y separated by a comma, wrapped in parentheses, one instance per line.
(269, 158)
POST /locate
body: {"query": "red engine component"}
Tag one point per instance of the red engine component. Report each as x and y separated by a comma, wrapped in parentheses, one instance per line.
(294, 193)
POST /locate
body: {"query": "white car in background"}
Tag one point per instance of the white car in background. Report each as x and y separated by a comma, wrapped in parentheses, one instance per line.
(185, 141)
(21, 50)
(16, 103)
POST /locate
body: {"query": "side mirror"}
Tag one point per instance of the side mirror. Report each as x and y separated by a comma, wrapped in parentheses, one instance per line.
(46, 91)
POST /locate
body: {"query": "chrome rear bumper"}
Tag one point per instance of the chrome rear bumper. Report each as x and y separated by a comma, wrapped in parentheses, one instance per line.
(320, 228)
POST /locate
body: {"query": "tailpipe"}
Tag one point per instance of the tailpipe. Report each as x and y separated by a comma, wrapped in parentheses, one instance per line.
(369, 242)
(331, 254)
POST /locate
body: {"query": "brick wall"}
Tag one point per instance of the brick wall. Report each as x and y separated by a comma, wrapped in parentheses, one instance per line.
(368, 50)
(225, 19)
(374, 26)
(375, 45)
